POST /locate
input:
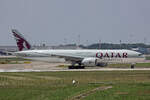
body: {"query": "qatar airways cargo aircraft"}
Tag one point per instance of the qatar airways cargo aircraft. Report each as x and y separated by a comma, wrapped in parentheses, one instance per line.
(81, 57)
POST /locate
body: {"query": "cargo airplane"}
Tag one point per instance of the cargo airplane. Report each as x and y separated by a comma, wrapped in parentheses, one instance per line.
(77, 58)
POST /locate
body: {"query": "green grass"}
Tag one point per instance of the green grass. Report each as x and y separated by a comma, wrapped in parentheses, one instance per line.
(126, 85)
(134, 91)
(14, 60)
(148, 58)
(137, 65)
(142, 65)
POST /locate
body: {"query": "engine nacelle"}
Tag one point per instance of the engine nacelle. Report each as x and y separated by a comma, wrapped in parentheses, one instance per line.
(93, 62)
(89, 61)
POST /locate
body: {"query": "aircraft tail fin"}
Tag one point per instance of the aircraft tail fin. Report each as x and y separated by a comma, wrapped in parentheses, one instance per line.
(22, 43)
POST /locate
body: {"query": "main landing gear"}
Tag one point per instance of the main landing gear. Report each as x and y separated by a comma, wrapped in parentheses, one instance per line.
(74, 66)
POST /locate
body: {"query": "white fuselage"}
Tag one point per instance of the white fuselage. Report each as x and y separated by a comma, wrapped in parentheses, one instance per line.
(45, 54)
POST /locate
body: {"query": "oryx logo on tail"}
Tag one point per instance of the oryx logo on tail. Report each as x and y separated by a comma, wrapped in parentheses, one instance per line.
(21, 41)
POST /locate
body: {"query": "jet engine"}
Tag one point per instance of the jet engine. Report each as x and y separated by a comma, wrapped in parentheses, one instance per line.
(93, 62)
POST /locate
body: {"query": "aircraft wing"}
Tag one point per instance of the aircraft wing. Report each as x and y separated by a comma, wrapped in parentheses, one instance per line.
(66, 57)
(69, 57)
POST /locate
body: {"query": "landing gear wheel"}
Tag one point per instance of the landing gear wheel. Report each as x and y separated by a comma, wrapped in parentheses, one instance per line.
(81, 67)
(70, 67)
(76, 67)
(132, 65)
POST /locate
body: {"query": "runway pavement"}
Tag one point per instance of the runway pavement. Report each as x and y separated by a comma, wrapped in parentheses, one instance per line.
(35, 66)
(59, 70)
(103, 69)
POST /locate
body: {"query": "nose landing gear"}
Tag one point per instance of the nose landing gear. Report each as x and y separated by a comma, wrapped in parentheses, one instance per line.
(132, 65)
